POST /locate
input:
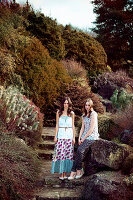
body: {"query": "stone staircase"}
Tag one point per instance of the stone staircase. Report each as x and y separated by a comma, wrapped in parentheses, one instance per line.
(49, 186)
(46, 146)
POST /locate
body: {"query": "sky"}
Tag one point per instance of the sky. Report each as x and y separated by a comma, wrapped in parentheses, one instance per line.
(78, 13)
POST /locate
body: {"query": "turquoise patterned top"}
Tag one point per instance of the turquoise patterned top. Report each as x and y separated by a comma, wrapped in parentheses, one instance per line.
(65, 130)
(95, 134)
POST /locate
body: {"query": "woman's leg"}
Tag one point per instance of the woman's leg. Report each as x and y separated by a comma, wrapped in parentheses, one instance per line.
(80, 154)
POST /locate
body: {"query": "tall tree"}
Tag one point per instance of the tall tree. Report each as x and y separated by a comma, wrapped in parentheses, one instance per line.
(114, 29)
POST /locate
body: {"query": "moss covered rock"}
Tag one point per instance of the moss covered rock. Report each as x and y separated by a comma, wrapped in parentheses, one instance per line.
(109, 153)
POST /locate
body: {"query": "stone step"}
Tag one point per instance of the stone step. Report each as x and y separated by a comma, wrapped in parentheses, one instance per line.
(47, 137)
(45, 154)
(59, 193)
(54, 181)
(46, 144)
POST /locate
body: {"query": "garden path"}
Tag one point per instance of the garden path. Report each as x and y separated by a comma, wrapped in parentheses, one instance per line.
(49, 186)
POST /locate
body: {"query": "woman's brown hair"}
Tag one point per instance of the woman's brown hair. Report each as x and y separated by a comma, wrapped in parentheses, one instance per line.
(62, 106)
(91, 106)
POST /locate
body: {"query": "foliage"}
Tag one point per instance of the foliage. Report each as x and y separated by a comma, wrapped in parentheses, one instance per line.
(106, 125)
(76, 71)
(42, 75)
(123, 121)
(48, 32)
(114, 29)
(106, 83)
(7, 65)
(111, 125)
(36, 73)
(5, 30)
(20, 115)
(19, 169)
(124, 118)
(10, 23)
(120, 100)
(78, 95)
(85, 49)
(66, 42)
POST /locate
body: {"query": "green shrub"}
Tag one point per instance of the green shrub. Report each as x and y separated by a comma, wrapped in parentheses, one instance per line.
(85, 49)
(120, 100)
(67, 42)
(5, 31)
(106, 125)
(20, 115)
(42, 75)
(19, 169)
(48, 32)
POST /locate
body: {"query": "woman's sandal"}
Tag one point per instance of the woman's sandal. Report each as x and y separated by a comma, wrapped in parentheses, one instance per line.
(79, 176)
(72, 177)
(61, 178)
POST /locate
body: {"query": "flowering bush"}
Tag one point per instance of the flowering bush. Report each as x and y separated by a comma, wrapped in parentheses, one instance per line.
(20, 115)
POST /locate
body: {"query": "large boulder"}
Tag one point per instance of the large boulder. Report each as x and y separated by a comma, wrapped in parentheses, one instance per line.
(106, 186)
(108, 153)
(91, 166)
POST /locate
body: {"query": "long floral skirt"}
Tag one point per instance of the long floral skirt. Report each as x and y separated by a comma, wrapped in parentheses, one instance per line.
(63, 156)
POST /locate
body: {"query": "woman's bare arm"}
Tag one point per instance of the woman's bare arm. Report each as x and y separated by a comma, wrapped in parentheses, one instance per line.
(81, 132)
(73, 126)
(57, 126)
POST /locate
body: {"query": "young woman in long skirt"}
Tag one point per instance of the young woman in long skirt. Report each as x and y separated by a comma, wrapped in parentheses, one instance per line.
(64, 139)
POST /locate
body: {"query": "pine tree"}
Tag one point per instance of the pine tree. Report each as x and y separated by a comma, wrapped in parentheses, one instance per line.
(114, 28)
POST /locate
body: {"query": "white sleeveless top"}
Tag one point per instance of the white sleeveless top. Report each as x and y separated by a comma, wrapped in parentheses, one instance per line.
(65, 130)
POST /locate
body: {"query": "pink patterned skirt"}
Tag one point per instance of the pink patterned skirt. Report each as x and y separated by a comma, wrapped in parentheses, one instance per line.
(63, 156)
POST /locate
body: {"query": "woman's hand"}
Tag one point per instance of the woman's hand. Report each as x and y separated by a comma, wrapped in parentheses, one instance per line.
(55, 139)
(73, 141)
(79, 141)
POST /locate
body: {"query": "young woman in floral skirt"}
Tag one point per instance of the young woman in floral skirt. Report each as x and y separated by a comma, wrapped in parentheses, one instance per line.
(64, 140)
